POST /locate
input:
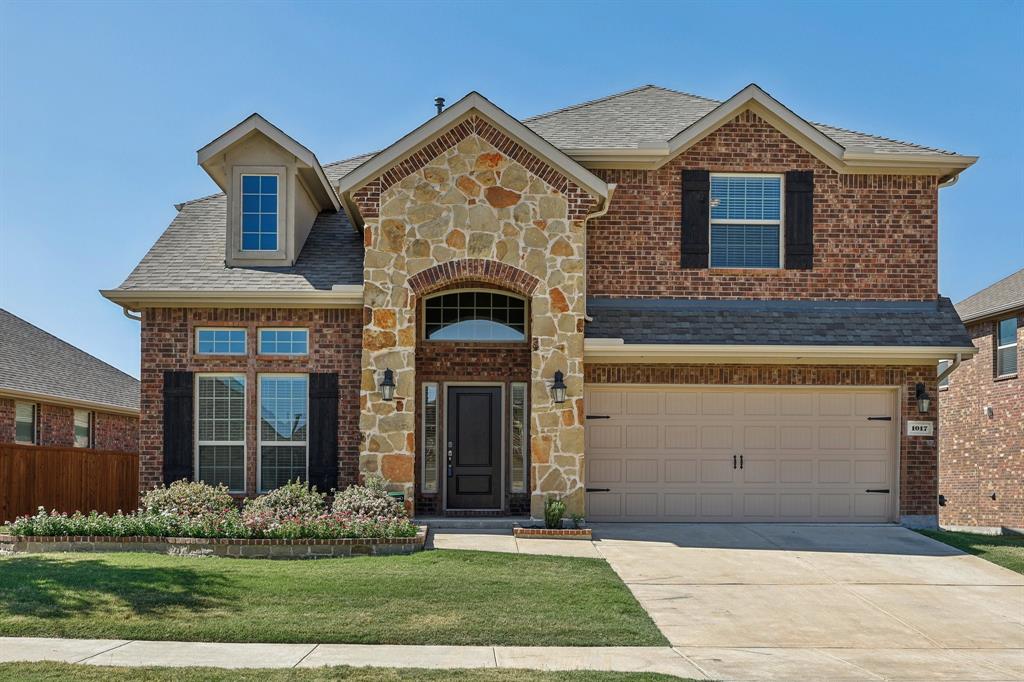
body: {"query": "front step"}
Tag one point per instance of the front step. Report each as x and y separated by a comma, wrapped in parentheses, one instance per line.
(471, 523)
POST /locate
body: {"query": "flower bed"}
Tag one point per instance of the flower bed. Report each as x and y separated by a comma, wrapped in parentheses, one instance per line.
(195, 518)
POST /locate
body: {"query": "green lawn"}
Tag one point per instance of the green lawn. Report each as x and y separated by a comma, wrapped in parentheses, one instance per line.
(61, 672)
(1005, 550)
(437, 597)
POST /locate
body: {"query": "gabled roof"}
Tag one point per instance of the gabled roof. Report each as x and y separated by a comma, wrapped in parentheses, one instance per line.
(37, 365)
(474, 102)
(654, 124)
(309, 167)
(1004, 296)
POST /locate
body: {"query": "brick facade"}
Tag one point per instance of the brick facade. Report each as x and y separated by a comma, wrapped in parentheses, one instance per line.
(918, 472)
(982, 456)
(875, 236)
(55, 427)
(168, 340)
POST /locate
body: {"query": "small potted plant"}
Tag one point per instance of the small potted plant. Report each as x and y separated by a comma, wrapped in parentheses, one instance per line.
(554, 524)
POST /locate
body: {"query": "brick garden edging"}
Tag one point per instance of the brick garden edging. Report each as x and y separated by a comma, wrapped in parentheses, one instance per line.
(560, 533)
(237, 548)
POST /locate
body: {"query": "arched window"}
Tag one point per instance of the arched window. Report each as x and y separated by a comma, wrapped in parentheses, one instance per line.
(475, 316)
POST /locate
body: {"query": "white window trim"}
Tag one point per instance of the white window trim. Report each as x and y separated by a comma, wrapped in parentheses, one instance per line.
(781, 222)
(437, 437)
(241, 212)
(526, 436)
(473, 290)
(259, 431)
(35, 423)
(235, 251)
(245, 341)
(90, 424)
(245, 422)
(999, 372)
(259, 340)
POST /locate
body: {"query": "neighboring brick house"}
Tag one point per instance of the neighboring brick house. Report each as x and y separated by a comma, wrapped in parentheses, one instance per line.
(656, 306)
(54, 394)
(981, 415)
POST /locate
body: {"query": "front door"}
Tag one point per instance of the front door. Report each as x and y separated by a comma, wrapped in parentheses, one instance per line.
(474, 447)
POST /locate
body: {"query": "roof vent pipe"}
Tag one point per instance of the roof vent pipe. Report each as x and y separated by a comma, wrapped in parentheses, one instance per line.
(439, 103)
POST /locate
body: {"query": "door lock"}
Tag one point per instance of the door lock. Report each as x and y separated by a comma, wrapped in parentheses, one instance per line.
(451, 459)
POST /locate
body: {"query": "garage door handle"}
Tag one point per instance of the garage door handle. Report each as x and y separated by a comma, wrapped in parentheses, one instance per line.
(879, 419)
(880, 490)
(598, 490)
(598, 416)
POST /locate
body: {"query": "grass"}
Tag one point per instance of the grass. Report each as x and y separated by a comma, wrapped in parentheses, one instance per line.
(1005, 550)
(437, 597)
(38, 672)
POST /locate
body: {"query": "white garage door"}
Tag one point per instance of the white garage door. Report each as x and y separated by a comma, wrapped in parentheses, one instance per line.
(740, 454)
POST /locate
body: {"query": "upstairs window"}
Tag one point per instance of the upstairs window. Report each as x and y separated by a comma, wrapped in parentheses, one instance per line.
(25, 423)
(259, 213)
(284, 342)
(746, 221)
(1006, 346)
(220, 341)
(475, 316)
(83, 429)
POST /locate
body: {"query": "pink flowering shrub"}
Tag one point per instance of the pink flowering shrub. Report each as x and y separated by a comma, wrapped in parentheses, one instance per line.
(294, 499)
(188, 498)
(369, 500)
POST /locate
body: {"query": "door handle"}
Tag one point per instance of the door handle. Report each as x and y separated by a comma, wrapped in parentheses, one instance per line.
(598, 490)
(451, 458)
(741, 461)
(734, 461)
(878, 490)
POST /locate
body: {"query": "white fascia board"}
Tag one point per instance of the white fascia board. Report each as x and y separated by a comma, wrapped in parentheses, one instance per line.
(474, 101)
(32, 396)
(615, 350)
(341, 296)
(256, 123)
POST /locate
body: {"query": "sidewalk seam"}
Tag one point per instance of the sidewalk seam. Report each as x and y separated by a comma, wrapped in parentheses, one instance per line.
(306, 655)
(689, 660)
(100, 653)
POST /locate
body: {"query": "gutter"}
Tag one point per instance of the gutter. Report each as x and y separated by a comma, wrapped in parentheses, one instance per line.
(340, 296)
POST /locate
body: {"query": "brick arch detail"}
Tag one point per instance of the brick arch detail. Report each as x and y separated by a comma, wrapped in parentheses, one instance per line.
(473, 270)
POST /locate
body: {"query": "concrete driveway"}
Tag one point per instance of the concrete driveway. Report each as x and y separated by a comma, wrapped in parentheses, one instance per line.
(750, 601)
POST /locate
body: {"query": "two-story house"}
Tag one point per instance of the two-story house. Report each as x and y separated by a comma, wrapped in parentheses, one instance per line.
(657, 306)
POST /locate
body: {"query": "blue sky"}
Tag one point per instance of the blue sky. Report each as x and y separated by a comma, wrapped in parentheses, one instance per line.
(102, 106)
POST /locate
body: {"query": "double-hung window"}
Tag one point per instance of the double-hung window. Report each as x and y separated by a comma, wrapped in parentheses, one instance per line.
(25, 423)
(943, 365)
(1006, 346)
(220, 341)
(284, 341)
(83, 429)
(259, 212)
(746, 221)
(284, 418)
(220, 430)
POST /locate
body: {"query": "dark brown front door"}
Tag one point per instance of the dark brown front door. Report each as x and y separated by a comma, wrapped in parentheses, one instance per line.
(474, 447)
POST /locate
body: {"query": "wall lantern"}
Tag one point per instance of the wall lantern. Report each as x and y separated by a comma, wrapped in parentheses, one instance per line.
(924, 400)
(558, 388)
(387, 386)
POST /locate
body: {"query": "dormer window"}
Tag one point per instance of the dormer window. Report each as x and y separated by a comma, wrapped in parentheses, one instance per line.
(259, 213)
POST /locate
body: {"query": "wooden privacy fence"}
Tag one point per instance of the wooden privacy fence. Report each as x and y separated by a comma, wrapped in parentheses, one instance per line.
(66, 479)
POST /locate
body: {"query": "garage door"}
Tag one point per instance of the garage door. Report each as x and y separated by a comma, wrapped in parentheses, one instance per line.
(740, 454)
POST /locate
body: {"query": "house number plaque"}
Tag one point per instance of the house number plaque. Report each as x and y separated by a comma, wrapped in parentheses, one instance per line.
(920, 428)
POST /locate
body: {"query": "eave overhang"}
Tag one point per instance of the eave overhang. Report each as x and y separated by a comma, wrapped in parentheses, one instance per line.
(616, 351)
(67, 402)
(340, 296)
(473, 103)
(309, 169)
(995, 311)
(653, 155)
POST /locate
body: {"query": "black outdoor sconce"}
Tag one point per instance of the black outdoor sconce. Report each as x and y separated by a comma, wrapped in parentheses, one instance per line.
(558, 388)
(387, 386)
(924, 400)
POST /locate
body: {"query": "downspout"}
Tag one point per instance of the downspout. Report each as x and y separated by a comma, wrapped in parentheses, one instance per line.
(949, 370)
(596, 214)
(949, 182)
(131, 314)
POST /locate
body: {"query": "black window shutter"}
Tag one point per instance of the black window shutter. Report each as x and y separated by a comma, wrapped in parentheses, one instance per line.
(178, 415)
(696, 218)
(323, 430)
(800, 220)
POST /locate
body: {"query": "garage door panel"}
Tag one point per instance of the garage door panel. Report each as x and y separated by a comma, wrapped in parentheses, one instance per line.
(808, 454)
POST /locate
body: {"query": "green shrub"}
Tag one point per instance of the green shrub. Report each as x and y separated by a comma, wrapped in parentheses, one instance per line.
(554, 510)
(189, 499)
(293, 500)
(370, 500)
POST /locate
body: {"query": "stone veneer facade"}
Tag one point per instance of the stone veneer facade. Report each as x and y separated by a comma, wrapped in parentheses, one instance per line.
(981, 458)
(56, 427)
(475, 206)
